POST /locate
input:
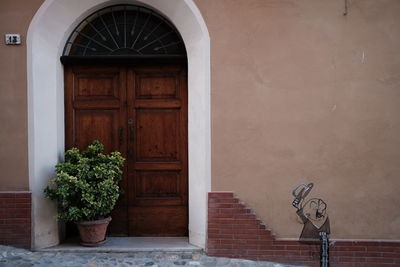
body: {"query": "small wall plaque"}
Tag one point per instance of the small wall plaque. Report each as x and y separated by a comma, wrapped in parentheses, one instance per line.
(13, 39)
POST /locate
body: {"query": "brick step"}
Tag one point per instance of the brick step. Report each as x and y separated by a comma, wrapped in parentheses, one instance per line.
(231, 219)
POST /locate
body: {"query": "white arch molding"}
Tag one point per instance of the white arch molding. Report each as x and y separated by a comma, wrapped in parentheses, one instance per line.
(46, 38)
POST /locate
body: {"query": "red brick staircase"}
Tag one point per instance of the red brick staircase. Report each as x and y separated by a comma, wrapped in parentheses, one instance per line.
(235, 231)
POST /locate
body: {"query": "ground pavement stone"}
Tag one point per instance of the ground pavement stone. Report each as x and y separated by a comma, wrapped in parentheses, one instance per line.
(14, 257)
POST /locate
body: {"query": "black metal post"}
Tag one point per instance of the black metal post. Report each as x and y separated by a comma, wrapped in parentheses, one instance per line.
(324, 256)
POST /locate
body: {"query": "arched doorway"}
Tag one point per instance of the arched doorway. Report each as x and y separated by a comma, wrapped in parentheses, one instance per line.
(126, 85)
(47, 35)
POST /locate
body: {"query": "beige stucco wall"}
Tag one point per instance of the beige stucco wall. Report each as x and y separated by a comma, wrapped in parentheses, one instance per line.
(15, 16)
(301, 93)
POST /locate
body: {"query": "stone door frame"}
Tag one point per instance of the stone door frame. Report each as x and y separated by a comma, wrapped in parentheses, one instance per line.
(47, 34)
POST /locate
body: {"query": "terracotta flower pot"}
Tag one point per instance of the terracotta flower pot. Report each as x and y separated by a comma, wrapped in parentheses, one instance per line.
(93, 233)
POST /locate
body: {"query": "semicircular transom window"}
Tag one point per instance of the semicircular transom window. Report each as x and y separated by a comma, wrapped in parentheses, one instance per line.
(124, 30)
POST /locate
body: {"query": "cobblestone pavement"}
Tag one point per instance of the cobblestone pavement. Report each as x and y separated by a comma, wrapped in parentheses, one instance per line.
(13, 257)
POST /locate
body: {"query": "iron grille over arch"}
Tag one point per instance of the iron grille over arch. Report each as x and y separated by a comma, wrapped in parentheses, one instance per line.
(125, 30)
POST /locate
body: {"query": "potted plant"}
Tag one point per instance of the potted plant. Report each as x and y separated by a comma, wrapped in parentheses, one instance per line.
(86, 190)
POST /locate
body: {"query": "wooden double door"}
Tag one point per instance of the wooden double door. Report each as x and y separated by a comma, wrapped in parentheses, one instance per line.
(141, 112)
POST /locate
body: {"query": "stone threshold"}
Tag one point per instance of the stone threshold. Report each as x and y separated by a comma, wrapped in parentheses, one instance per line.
(129, 244)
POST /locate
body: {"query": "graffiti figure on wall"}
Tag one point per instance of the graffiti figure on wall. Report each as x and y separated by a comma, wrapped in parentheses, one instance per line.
(312, 213)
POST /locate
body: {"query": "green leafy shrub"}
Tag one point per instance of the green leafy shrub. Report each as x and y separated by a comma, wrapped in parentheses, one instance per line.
(86, 187)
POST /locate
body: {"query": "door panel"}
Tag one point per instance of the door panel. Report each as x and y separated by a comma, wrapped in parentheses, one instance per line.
(158, 145)
(156, 189)
(101, 84)
(158, 221)
(156, 184)
(141, 112)
(157, 135)
(156, 86)
(96, 125)
(95, 108)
